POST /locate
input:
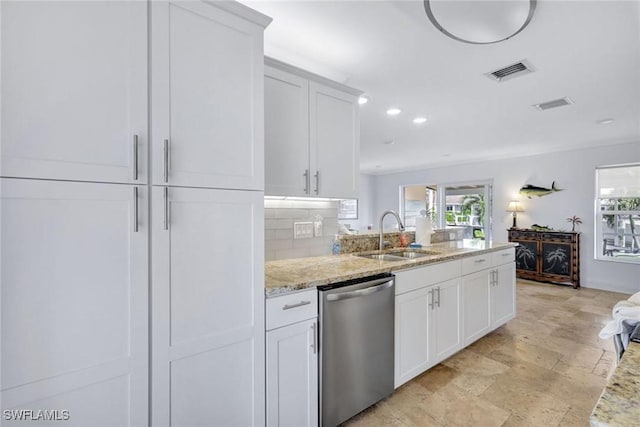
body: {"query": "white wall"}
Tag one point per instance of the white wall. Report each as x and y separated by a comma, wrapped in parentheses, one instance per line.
(366, 202)
(574, 171)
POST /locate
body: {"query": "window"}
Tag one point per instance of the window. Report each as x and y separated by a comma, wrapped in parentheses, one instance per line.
(618, 213)
(466, 206)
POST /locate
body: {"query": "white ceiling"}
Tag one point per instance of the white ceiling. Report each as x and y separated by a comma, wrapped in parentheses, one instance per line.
(586, 50)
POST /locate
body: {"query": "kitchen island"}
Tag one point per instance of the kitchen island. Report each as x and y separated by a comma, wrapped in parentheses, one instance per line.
(290, 275)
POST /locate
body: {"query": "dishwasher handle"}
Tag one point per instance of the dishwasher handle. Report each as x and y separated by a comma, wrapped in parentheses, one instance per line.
(376, 286)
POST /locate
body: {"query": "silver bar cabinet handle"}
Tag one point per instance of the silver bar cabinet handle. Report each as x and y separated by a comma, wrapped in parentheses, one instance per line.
(306, 181)
(166, 207)
(299, 304)
(317, 177)
(135, 157)
(166, 160)
(431, 304)
(478, 261)
(438, 289)
(314, 345)
(135, 209)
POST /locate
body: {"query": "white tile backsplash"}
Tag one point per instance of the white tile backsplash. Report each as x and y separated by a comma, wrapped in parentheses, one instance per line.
(279, 218)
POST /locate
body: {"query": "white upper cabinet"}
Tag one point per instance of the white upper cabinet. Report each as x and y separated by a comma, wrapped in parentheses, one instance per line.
(287, 148)
(312, 134)
(74, 300)
(207, 96)
(74, 90)
(335, 142)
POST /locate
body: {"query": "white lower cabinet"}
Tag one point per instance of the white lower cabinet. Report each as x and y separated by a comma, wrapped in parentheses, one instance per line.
(488, 293)
(427, 325)
(443, 307)
(503, 299)
(74, 301)
(476, 297)
(292, 360)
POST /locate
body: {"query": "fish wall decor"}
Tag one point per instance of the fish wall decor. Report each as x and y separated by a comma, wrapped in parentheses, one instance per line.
(531, 190)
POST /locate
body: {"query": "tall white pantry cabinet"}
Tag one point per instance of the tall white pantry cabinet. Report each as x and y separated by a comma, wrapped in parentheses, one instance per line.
(132, 212)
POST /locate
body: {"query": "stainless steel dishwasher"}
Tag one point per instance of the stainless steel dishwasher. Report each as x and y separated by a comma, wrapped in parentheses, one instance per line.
(356, 346)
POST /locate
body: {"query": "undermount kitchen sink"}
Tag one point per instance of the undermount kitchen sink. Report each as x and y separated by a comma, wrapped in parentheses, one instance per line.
(399, 256)
(382, 257)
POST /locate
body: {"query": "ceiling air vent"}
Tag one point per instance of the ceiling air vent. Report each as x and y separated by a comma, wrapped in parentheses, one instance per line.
(511, 71)
(553, 104)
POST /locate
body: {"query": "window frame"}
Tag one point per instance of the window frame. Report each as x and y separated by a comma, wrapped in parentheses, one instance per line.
(618, 254)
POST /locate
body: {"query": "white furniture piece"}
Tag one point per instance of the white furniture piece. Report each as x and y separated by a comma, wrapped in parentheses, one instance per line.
(488, 292)
(74, 90)
(312, 134)
(443, 307)
(75, 255)
(428, 318)
(75, 300)
(207, 97)
(292, 359)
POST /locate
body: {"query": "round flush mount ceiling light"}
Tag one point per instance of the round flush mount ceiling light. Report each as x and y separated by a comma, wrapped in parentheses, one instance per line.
(363, 100)
(419, 120)
(394, 111)
(480, 22)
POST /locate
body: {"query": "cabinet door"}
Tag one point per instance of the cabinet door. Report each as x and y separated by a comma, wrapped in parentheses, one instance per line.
(412, 327)
(286, 133)
(503, 291)
(557, 259)
(292, 375)
(208, 307)
(75, 301)
(74, 90)
(334, 137)
(207, 97)
(446, 324)
(527, 256)
(476, 305)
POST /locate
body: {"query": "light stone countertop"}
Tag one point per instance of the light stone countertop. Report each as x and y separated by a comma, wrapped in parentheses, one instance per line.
(290, 275)
(619, 404)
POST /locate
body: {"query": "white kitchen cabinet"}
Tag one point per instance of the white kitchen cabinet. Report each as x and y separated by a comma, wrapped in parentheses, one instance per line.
(503, 299)
(74, 300)
(74, 90)
(488, 293)
(427, 318)
(292, 375)
(207, 307)
(476, 300)
(207, 95)
(334, 140)
(292, 359)
(312, 134)
(286, 112)
(447, 316)
(413, 354)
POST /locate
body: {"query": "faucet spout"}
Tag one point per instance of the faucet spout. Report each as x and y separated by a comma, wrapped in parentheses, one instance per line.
(400, 225)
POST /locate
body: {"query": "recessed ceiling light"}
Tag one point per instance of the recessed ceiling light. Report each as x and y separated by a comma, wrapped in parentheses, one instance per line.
(378, 166)
(446, 155)
(419, 120)
(394, 111)
(363, 100)
(389, 142)
(605, 121)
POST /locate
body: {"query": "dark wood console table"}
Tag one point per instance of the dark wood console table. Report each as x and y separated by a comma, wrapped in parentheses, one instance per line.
(547, 256)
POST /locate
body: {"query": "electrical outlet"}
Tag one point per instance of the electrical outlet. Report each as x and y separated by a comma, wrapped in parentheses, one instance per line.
(452, 236)
(317, 228)
(302, 230)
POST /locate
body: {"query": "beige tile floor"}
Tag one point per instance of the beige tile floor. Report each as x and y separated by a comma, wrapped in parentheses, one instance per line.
(547, 367)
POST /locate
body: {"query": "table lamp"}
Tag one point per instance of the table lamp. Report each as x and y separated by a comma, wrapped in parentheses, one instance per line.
(514, 206)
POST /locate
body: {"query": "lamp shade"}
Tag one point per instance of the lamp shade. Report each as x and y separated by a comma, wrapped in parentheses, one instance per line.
(514, 206)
